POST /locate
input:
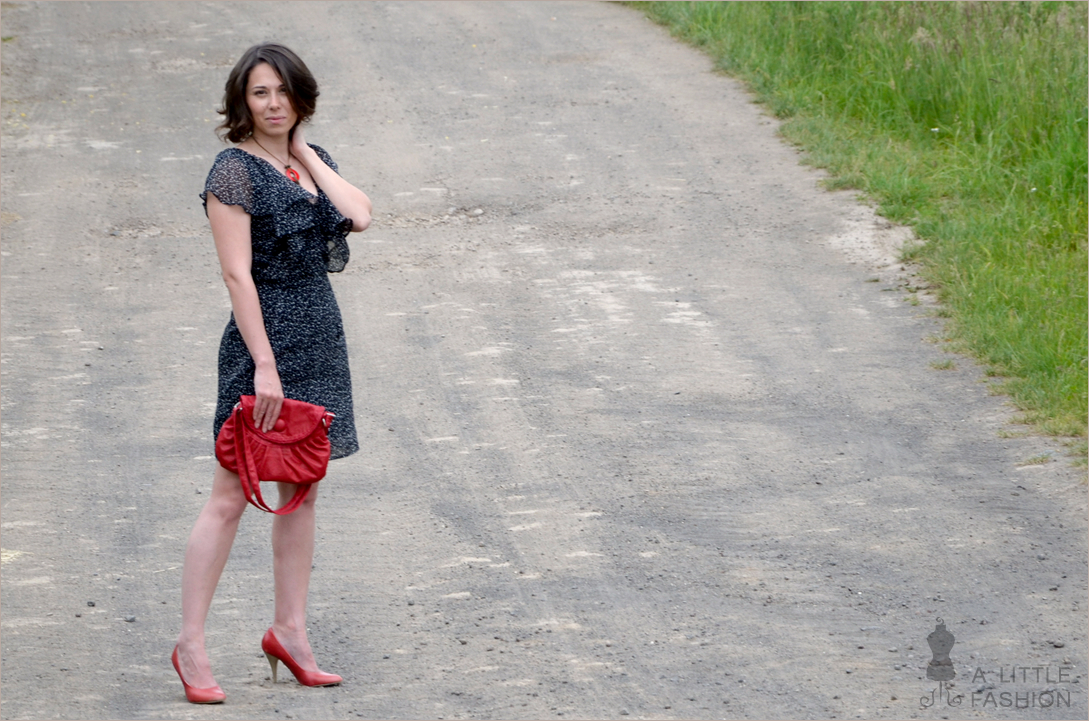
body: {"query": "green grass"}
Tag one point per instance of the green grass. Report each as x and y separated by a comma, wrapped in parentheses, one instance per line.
(966, 121)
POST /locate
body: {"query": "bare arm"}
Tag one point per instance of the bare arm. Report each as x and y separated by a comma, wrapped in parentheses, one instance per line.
(231, 231)
(349, 200)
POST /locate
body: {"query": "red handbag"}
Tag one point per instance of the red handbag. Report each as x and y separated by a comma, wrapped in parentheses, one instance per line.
(296, 450)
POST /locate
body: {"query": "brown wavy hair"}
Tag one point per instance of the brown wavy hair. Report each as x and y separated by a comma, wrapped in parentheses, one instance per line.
(302, 89)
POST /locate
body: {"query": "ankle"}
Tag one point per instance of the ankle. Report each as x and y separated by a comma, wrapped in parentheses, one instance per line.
(289, 628)
(190, 643)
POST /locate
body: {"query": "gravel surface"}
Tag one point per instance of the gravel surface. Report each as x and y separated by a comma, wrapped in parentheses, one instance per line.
(651, 424)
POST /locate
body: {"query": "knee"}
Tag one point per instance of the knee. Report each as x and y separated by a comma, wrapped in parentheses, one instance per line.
(226, 508)
(311, 498)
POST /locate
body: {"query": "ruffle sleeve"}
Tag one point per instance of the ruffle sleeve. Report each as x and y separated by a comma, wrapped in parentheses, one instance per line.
(336, 229)
(334, 225)
(229, 180)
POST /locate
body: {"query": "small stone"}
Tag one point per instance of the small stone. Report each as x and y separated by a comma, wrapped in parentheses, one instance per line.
(623, 712)
(91, 604)
(130, 619)
(476, 213)
(411, 603)
(79, 615)
(1057, 644)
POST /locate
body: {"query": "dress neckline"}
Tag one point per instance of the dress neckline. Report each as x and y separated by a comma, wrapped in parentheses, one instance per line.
(315, 196)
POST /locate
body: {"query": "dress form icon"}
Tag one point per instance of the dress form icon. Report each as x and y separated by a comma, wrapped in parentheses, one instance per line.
(941, 643)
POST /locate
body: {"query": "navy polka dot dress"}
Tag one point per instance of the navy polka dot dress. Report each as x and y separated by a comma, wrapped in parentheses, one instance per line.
(298, 239)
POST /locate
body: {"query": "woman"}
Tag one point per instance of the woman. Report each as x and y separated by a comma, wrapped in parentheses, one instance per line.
(280, 214)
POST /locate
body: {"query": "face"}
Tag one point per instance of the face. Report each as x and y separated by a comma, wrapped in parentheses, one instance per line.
(268, 101)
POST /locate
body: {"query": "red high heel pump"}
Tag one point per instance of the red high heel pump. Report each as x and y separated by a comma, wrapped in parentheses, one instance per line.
(213, 694)
(275, 652)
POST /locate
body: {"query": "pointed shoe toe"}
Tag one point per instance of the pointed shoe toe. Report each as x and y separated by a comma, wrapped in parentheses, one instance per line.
(212, 694)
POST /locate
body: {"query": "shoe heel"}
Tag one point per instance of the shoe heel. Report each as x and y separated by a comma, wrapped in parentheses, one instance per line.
(275, 652)
(274, 662)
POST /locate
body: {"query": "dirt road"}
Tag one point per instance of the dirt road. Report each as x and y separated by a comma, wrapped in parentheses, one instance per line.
(650, 428)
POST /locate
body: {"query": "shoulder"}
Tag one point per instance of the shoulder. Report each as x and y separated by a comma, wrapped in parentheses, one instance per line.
(231, 161)
(231, 156)
(324, 155)
(230, 153)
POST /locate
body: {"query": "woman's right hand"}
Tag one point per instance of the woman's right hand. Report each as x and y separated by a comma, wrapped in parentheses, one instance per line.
(270, 397)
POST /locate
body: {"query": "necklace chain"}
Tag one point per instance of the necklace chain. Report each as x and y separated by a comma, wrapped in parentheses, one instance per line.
(288, 170)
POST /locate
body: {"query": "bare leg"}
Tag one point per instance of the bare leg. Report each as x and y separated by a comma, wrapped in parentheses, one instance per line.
(292, 557)
(205, 556)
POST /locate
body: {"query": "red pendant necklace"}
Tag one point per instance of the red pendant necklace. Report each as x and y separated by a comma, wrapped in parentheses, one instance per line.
(288, 170)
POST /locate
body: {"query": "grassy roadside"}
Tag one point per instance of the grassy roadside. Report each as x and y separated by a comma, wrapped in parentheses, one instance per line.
(966, 121)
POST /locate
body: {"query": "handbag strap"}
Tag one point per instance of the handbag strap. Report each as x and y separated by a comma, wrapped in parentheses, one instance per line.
(247, 472)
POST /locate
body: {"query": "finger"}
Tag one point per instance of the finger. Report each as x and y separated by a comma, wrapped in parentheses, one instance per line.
(261, 411)
(273, 414)
(258, 413)
(260, 421)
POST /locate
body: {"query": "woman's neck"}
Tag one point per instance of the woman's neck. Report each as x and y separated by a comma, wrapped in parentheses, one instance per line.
(277, 145)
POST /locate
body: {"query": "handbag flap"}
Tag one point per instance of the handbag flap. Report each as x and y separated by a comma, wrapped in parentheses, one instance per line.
(297, 420)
